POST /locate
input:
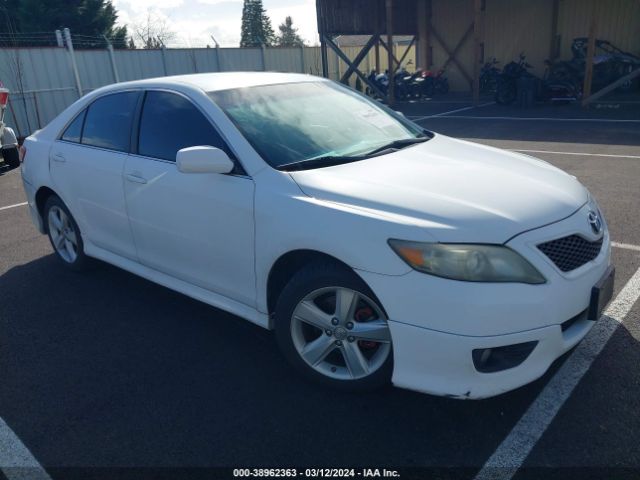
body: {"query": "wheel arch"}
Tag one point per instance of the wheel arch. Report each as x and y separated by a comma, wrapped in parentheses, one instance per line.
(42, 195)
(288, 264)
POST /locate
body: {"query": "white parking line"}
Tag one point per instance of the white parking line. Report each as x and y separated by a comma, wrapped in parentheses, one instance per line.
(419, 119)
(534, 119)
(14, 206)
(577, 153)
(514, 449)
(16, 461)
(627, 246)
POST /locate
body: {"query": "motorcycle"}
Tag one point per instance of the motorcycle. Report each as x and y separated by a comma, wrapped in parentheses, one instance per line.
(489, 76)
(427, 83)
(554, 86)
(507, 80)
(402, 83)
(381, 81)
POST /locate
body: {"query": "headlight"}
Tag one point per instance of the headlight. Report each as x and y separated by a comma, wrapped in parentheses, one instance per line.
(468, 262)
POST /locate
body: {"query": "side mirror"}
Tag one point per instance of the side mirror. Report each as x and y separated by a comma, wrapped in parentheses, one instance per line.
(203, 159)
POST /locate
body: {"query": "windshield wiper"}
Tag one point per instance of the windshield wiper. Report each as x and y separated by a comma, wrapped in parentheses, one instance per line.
(324, 161)
(398, 144)
(331, 160)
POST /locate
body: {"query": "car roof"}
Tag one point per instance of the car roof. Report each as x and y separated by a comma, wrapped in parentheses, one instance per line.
(210, 82)
(207, 82)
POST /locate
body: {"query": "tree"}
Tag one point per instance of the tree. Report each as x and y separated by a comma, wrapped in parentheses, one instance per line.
(152, 32)
(288, 36)
(256, 25)
(90, 19)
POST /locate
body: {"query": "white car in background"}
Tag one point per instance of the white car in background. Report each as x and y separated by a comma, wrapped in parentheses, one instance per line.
(378, 251)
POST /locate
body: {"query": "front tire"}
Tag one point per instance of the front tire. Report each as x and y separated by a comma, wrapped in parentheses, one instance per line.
(331, 328)
(64, 234)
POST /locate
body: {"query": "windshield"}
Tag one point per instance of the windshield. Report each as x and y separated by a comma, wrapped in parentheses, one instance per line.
(297, 122)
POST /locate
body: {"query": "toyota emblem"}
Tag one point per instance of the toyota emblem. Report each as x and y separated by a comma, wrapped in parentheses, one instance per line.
(595, 222)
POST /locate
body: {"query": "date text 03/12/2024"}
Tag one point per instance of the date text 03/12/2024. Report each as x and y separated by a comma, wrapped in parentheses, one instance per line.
(316, 472)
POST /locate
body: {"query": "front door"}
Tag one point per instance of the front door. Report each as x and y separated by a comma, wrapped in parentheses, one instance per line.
(195, 227)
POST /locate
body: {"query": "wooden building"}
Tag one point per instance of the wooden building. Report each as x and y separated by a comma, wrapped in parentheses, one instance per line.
(461, 34)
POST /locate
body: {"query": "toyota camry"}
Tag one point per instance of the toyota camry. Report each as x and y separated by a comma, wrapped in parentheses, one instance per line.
(379, 252)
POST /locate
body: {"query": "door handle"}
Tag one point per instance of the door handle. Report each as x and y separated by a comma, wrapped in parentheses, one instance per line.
(58, 157)
(135, 178)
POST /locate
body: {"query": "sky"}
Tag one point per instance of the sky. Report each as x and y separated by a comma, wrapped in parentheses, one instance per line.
(193, 21)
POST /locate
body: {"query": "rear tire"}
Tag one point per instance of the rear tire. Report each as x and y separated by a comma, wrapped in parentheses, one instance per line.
(64, 235)
(347, 347)
(11, 157)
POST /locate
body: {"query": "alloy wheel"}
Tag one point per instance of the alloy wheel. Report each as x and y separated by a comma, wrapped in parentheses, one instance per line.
(63, 234)
(341, 333)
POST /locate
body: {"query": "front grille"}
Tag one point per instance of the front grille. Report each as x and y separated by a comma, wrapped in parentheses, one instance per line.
(569, 253)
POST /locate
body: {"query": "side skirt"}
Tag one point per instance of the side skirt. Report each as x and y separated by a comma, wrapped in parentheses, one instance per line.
(197, 293)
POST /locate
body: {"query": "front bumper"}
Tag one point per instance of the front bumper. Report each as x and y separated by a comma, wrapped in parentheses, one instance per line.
(437, 323)
(440, 363)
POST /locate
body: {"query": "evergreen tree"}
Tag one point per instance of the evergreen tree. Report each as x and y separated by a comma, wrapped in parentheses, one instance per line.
(288, 36)
(256, 25)
(91, 18)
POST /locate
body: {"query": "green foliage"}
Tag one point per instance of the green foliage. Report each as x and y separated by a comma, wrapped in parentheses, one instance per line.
(256, 25)
(89, 18)
(288, 36)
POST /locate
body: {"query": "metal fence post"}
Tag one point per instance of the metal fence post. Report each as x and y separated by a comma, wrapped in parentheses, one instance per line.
(264, 59)
(72, 56)
(164, 60)
(112, 57)
(219, 58)
(301, 58)
(59, 40)
(192, 54)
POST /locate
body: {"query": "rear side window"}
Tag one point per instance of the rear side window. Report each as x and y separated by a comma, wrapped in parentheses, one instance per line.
(73, 133)
(108, 122)
(169, 123)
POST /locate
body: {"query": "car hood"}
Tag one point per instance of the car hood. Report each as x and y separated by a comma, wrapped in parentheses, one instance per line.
(460, 191)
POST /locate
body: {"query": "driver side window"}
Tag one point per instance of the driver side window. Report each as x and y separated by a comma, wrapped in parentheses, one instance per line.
(169, 122)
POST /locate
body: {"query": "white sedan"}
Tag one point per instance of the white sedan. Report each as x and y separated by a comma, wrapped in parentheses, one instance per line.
(378, 251)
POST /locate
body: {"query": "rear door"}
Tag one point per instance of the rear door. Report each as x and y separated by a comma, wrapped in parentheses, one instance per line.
(86, 165)
(195, 227)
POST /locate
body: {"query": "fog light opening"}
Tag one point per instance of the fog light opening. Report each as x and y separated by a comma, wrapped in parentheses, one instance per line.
(496, 359)
(485, 353)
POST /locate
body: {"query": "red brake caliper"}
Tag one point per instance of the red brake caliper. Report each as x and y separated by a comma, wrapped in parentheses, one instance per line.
(362, 315)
